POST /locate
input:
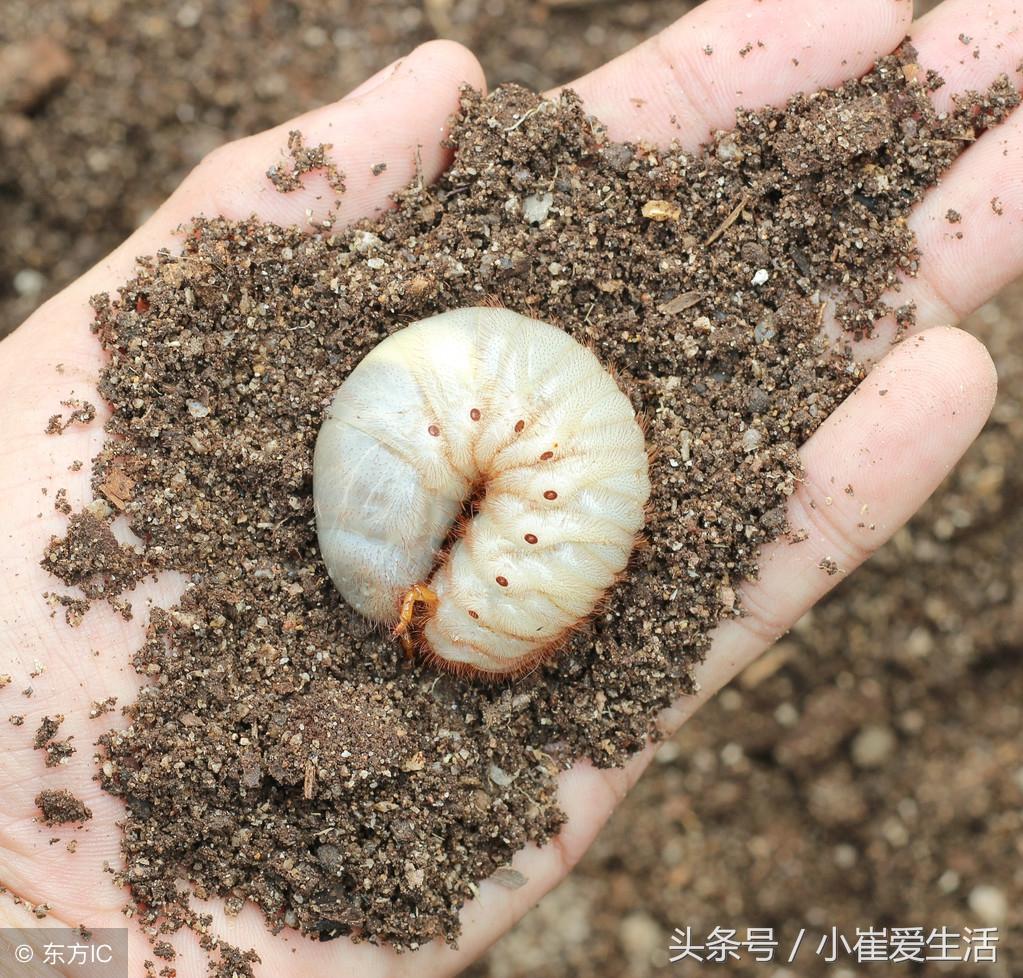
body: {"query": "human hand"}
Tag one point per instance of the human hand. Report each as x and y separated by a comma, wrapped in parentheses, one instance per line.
(941, 400)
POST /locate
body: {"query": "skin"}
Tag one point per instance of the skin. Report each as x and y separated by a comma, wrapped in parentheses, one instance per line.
(895, 451)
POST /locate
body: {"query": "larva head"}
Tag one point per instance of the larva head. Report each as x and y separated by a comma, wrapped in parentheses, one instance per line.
(480, 401)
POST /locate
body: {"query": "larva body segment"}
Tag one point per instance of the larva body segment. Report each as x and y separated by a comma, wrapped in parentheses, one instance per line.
(486, 404)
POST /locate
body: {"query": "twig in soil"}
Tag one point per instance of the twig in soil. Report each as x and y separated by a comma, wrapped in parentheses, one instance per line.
(728, 221)
(821, 310)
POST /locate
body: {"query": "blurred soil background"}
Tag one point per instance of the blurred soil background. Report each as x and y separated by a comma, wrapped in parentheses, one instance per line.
(868, 771)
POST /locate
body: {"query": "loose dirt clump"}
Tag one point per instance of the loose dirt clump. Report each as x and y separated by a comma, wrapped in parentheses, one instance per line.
(90, 558)
(46, 730)
(79, 413)
(59, 806)
(286, 753)
(57, 751)
(304, 159)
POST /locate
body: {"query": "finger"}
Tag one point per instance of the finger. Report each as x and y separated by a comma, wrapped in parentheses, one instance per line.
(964, 263)
(399, 122)
(688, 80)
(969, 44)
(891, 442)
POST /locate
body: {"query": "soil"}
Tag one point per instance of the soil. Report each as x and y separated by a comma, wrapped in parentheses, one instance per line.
(57, 751)
(286, 753)
(923, 641)
(47, 728)
(288, 177)
(60, 806)
(89, 556)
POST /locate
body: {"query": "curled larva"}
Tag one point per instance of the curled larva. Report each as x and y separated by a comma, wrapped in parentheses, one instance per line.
(506, 435)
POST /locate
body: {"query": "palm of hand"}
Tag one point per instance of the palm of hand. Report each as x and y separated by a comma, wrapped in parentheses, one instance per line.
(54, 357)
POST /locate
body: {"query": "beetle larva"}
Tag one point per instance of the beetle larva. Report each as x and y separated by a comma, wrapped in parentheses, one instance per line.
(512, 414)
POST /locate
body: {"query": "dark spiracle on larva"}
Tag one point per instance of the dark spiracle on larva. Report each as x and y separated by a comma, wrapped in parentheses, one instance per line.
(483, 405)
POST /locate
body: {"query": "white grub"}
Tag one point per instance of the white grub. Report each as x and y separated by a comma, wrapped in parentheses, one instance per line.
(483, 404)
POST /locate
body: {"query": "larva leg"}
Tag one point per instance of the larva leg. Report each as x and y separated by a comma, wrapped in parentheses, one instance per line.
(417, 594)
